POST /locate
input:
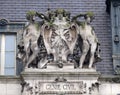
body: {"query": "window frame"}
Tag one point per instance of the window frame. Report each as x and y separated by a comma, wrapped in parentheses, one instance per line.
(115, 16)
(10, 31)
(3, 53)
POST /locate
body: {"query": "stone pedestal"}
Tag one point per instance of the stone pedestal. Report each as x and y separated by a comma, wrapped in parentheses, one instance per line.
(60, 82)
(65, 66)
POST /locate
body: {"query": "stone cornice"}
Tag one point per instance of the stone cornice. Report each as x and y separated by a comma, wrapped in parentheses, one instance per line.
(10, 79)
(109, 78)
(102, 78)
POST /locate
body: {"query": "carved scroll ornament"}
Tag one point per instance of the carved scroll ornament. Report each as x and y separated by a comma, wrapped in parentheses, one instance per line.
(58, 39)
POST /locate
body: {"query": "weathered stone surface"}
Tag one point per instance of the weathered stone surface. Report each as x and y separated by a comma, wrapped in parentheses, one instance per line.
(50, 81)
(10, 85)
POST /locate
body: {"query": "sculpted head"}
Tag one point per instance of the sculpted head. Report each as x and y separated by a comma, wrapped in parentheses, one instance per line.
(62, 14)
(30, 16)
(89, 16)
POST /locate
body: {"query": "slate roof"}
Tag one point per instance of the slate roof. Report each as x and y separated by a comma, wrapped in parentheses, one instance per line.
(15, 10)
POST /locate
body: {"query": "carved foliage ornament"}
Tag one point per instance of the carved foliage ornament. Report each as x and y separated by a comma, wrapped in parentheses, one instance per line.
(3, 22)
(37, 87)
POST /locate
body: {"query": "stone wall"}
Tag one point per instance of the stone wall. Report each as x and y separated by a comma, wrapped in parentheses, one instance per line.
(10, 85)
(109, 89)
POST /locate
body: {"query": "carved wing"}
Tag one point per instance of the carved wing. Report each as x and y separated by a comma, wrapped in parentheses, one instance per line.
(46, 37)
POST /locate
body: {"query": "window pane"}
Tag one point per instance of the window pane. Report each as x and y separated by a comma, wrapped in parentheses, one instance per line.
(9, 71)
(10, 43)
(3, 28)
(10, 56)
(9, 59)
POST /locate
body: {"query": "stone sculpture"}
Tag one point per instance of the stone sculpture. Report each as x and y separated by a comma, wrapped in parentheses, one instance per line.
(90, 44)
(59, 40)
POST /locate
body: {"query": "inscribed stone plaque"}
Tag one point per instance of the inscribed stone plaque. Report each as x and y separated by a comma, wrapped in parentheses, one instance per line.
(66, 87)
